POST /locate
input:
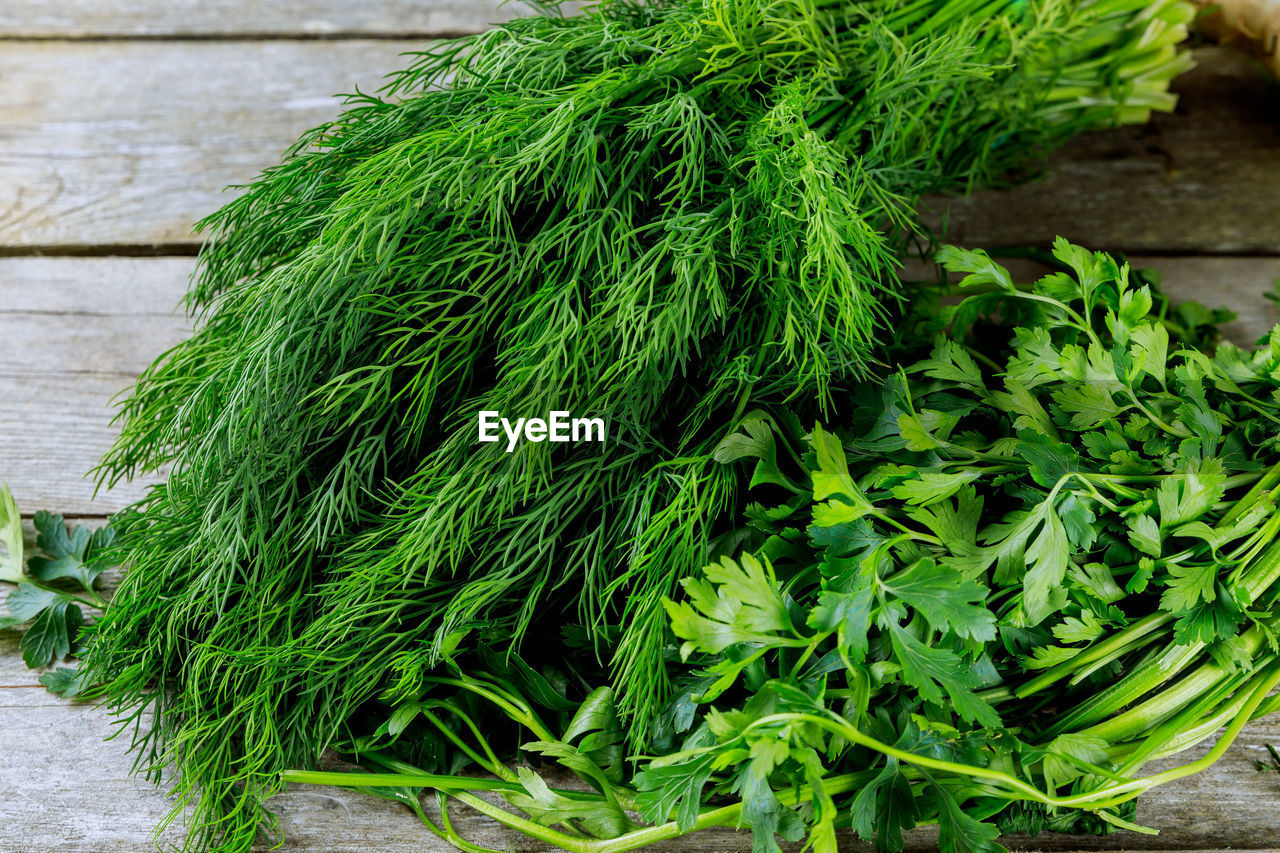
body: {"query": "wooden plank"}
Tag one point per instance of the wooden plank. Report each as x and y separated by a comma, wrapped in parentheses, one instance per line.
(1205, 179)
(130, 143)
(236, 18)
(91, 341)
(1241, 285)
(93, 287)
(53, 433)
(105, 143)
(74, 332)
(19, 686)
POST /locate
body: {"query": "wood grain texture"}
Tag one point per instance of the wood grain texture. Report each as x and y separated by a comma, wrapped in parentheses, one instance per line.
(105, 143)
(1204, 179)
(223, 18)
(130, 143)
(74, 332)
(1239, 284)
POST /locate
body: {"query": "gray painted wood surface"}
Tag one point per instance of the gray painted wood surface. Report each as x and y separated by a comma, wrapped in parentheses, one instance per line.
(73, 333)
(237, 18)
(129, 143)
(118, 130)
(1203, 179)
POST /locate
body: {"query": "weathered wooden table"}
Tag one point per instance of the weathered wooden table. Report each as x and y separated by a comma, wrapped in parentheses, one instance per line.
(120, 122)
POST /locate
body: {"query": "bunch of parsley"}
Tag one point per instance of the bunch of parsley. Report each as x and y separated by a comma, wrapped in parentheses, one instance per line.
(663, 214)
(1020, 569)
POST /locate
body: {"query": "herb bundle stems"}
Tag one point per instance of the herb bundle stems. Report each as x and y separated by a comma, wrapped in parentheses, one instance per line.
(1248, 701)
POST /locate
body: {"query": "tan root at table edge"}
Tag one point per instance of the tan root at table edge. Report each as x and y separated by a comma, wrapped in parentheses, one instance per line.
(1252, 23)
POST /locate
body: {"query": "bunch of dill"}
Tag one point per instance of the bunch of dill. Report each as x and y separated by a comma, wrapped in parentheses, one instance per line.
(660, 213)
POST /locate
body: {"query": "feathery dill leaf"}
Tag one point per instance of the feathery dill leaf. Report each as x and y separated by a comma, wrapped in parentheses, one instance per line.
(661, 213)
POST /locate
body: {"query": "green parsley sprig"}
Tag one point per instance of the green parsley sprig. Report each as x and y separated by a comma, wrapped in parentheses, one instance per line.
(52, 595)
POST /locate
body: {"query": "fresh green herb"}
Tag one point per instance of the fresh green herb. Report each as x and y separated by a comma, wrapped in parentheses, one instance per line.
(1026, 566)
(11, 544)
(664, 214)
(50, 596)
(64, 682)
(1273, 764)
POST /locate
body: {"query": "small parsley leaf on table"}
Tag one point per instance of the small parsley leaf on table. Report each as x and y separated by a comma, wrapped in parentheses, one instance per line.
(50, 599)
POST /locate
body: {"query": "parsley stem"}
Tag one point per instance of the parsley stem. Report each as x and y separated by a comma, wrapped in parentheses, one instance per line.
(1176, 658)
(96, 601)
(1255, 699)
(442, 801)
(1163, 704)
(1105, 796)
(722, 816)
(528, 827)
(1266, 483)
(489, 762)
(1118, 642)
(516, 709)
(1102, 797)
(979, 355)
(436, 781)
(1194, 723)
